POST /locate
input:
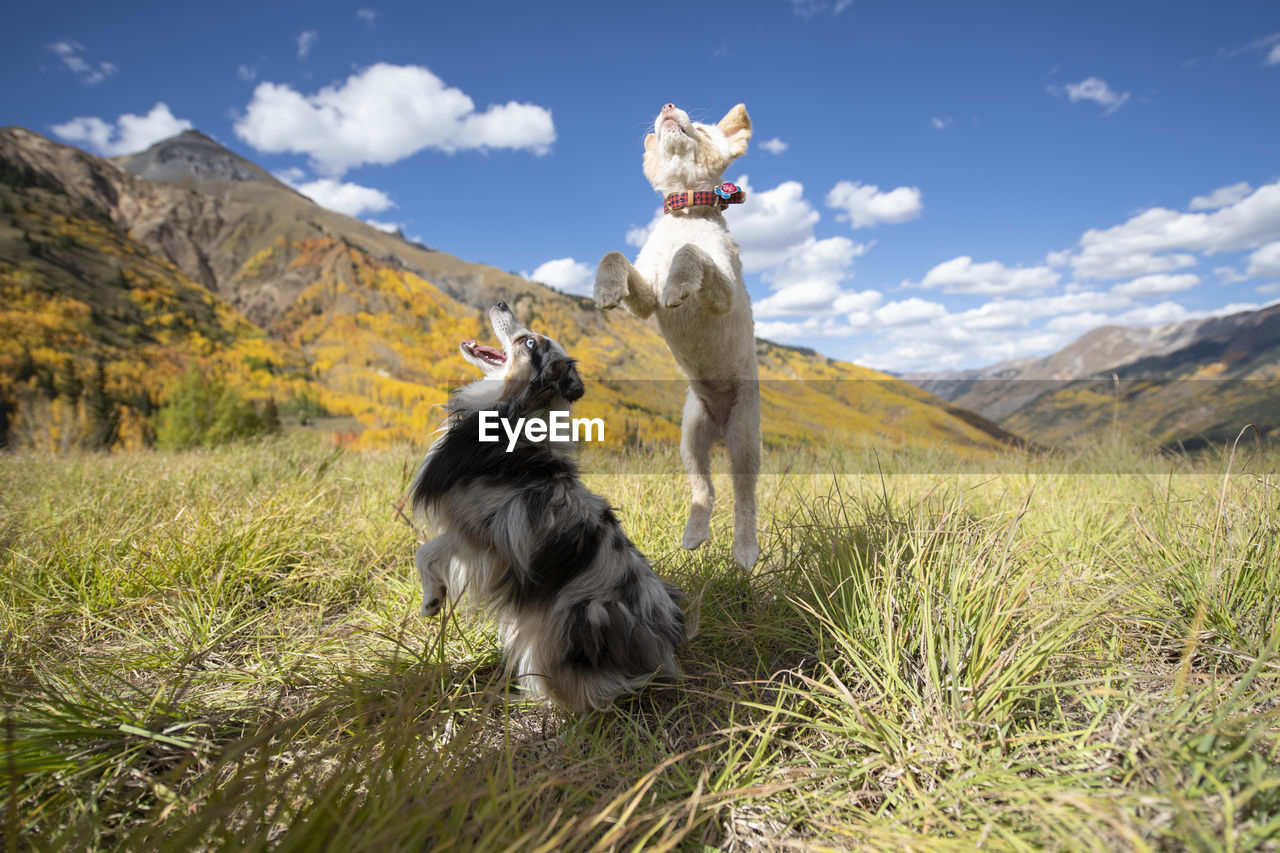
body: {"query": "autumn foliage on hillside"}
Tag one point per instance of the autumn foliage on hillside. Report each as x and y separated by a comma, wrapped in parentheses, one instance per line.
(102, 342)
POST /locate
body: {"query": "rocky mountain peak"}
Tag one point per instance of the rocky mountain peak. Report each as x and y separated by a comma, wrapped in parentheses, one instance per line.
(192, 159)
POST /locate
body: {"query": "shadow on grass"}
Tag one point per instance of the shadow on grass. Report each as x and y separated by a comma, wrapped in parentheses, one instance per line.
(399, 748)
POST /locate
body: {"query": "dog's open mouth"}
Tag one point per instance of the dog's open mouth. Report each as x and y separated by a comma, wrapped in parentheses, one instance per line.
(493, 360)
(487, 354)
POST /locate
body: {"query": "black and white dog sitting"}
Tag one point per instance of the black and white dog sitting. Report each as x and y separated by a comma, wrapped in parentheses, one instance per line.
(583, 616)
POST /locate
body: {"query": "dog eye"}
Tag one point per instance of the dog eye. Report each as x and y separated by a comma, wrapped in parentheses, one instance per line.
(530, 343)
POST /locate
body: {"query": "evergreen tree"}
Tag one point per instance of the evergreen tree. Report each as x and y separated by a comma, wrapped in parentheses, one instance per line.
(26, 366)
(7, 409)
(69, 384)
(104, 412)
(44, 382)
(271, 416)
(185, 417)
(233, 418)
(142, 402)
(203, 412)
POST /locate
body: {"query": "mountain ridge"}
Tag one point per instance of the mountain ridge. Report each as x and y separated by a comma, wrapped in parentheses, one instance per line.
(1235, 359)
(367, 322)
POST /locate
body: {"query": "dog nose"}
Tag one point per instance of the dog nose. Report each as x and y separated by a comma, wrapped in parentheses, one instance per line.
(502, 306)
(668, 107)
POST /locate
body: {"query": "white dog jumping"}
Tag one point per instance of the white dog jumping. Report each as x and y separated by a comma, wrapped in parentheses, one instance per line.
(690, 276)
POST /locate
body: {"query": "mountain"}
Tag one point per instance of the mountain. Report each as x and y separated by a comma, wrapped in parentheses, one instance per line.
(188, 253)
(193, 160)
(1182, 383)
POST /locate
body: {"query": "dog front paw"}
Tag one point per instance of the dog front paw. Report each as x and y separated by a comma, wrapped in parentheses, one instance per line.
(434, 600)
(611, 281)
(677, 292)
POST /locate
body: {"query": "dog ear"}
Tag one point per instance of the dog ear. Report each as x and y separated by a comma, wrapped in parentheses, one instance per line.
(736, 126)
(569, 385)
(558, 378)
(650, 160)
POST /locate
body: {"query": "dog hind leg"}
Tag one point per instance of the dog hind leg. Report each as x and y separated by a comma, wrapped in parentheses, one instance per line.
(698, 430)
(742, 435)
(432, 560)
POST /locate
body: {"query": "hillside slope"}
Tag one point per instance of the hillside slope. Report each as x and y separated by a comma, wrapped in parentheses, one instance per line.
(365, 323)
(1183, 383)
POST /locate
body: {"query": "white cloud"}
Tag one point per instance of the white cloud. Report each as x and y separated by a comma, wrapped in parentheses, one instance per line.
(940, 123)
(910, 312)
(306, 41)
(1160, 284)
(1092, 89)
(1235, 308)
(916, 334)
(864, 205)
(947, 346)
(1140, 245)
(805, 330)
(247, 73)
(1154, 315)
(1058, 259)
(997, 316)
(130, 132)
(774, 146)
(1265, 262)
(808, 282)
(776, 239)
(962, 275)
(1151, 256)
(348, 198)
(1106, 266)
(809, 8)
(1077, 324)
(1067, 303)
(70, 53)
(1228, 275)
(1268, 45)
(818, 260)
(565, 274)
(1221, 197)
(383, 114)
(638, 235)
(389, 227)
(772, 225)
(368, 16)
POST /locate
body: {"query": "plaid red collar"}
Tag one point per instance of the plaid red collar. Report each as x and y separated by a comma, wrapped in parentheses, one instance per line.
(722, 196)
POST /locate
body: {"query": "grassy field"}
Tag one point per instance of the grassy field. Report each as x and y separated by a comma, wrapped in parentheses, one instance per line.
(221, 650)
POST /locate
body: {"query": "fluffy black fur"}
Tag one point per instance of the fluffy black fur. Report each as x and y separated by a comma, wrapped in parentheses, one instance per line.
(584, 616)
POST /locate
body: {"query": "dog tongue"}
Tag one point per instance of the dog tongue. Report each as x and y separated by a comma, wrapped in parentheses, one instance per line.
(490, 353)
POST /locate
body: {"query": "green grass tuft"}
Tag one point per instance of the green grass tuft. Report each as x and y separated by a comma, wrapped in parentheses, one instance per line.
(220, 649)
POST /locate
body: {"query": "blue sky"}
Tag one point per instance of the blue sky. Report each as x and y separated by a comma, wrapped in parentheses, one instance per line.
(932, 185)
